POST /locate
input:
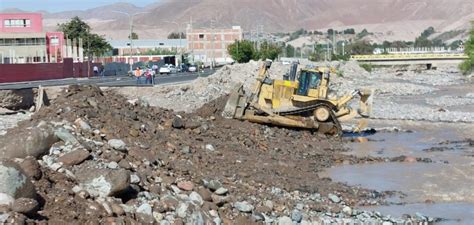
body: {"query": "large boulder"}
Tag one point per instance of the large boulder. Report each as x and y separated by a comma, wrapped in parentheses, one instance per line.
(35, 142)
(14, 183)
(102, 182)
(17, 99)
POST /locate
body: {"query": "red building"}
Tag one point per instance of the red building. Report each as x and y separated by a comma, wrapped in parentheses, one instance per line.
(210, 45)
(21, 23)
(22, 40)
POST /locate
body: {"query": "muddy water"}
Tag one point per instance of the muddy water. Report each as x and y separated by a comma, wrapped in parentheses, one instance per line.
(448, 180)
(452, 213)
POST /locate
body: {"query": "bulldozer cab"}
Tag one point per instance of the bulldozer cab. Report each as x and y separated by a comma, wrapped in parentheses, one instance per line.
(313, 83)
(308, 80)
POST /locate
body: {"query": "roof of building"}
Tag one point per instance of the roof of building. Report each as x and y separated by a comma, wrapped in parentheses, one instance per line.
(146, 43)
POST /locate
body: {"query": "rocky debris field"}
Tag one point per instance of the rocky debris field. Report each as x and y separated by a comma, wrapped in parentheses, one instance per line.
(412, 92)
(189, 97)
(401, 92)
(95, 157)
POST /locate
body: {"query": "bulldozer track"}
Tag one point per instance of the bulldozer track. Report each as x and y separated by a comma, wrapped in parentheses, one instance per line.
(305, 109)
(334, 121)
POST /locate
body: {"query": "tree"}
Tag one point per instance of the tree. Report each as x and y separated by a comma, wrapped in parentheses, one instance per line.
(297, 34)
(400, 44)
(360, 48)
(134, 36)
(468, 65)
(363, 33)
(316, 32)
(423, 42)
(427, 32)
(455, 44)
(98, 45)
(386, 44)
(269, 51)
(290, 51)
(176, 35)
(242, 51)
(349, 31)
(159, 51)
(318, 53)
(93, 44)
(76, 28)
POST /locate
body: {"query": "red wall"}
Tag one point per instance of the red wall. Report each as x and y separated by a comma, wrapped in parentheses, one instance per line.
(36, 20)
(43, 71)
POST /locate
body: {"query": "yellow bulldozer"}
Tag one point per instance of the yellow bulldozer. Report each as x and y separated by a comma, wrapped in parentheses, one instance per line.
(300, 100)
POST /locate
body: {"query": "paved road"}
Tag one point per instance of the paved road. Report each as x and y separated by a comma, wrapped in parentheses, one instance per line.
(115, 81)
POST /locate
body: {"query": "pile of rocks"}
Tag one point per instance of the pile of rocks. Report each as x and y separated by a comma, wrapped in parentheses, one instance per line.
(124, 162)
(204, 89)
(17, 99)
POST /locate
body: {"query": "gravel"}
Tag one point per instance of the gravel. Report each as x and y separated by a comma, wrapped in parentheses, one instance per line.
(117, 144)
(389, 83)
(261, 185)
(334, 198)
(243, 207)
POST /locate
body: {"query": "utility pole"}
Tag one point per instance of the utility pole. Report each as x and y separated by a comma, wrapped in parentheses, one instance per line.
(180, 36)
(334, 42)
(343, 44)
(259, 27)
(131, 45)
(130, 17)
(212, 43)
(327, 50)
(88, 53)
(191, 37)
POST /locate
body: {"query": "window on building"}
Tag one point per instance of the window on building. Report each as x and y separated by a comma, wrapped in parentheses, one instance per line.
(54, 40)
(17, 23)
(201, 36)
(22, 41)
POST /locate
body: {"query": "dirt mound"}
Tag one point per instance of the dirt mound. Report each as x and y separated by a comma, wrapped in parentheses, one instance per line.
(17, 99)
(212, 108)
(204, 89)
(182, 166)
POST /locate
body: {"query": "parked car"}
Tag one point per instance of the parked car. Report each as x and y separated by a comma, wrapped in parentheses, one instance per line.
(173, 69)
(192, 68)
(164, 70)
(167, 69)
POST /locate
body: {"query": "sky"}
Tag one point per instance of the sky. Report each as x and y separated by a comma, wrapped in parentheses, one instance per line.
(63, 5)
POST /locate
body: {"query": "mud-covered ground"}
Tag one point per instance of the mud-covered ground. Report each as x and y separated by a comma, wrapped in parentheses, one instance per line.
(271, 171)
(197, 167)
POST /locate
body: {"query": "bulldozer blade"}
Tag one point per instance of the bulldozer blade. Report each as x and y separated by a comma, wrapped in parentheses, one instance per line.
(348, 117)
(365, 104)
(361, 125)
(236, 104)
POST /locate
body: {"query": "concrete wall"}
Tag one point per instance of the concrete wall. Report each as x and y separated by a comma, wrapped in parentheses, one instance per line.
(43, 71)
(36, 22)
